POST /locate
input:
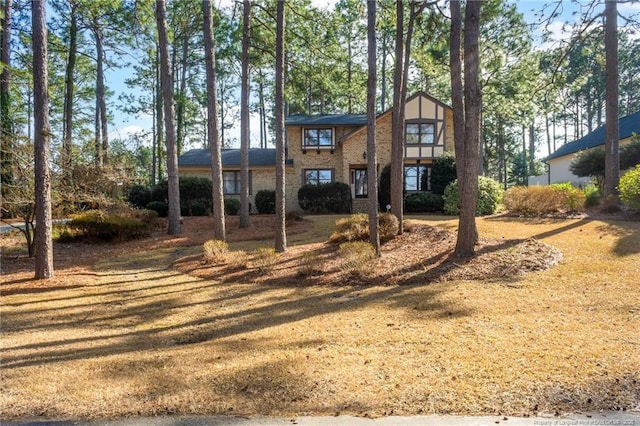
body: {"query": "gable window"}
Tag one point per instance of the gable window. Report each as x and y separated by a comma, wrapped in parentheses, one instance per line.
(317, 176)
(417, 178)
(231, 182)
(420, 133)
(317, 138)
(360, 182)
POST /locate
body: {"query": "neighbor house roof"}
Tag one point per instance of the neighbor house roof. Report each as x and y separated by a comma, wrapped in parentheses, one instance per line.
(230, 158)
(327, 120)
(628, 126)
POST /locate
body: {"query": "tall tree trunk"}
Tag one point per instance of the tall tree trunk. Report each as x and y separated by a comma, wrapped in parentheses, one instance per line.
(174, 225)
(372, 157)
(6, 121)
(457, 95)
(397, 122)
(350, 76)
(281, 232)
(42, 131)
(180, 104)
(159, 118)
(532, 149)
(102, 138)
(612, 153)
(468, 187)
(383, 83)
(219, 231)
(244, 118)
(67, 121)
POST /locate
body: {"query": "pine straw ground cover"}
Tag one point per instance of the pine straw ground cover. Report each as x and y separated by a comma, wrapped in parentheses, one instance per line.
(145, 328)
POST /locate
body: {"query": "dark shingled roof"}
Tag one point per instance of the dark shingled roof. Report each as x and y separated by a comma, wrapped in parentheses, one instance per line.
(327, 120)
(230, 158)
(628, 125)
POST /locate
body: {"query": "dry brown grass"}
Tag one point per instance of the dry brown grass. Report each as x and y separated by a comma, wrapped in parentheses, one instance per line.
(119, 332)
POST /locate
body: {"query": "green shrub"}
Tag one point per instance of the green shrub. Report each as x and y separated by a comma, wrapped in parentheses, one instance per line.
(199, 209)
(592, 195)
(356, 228)
(589, 163)
(356, 255)
(423, 202)
(231, 206)
(159, 207)
(96, 224)
(443, 172)
(325, 198)
(193, 190)
(139, 196)
(572, 198)
(266, 201)
(629, 188)
(489, 196)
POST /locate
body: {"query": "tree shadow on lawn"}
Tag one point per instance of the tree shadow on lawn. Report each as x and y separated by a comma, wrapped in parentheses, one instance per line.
(213, 327)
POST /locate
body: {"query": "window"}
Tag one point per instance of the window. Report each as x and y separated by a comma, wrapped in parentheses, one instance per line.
(318, 138)
(414, 177)
(420, 133)
(360, 182)
(231, 182)
(318, 176)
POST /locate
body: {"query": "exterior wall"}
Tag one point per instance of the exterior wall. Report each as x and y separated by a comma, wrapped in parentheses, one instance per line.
(261, 178)
(312, 159)
(559, 169)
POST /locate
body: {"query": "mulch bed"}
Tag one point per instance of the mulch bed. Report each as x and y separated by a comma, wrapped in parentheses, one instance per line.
(421, 255)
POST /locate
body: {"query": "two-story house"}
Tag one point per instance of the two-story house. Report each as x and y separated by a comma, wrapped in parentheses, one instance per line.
(333, 148)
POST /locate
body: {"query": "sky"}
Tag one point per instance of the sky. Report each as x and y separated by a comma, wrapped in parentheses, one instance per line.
(125, 125)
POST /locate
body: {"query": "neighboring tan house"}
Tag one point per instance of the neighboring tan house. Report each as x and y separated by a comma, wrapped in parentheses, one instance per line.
(333, 148)
(561, 159)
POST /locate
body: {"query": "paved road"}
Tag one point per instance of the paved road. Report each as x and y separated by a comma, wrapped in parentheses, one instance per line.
(592, 419)
(8, 228)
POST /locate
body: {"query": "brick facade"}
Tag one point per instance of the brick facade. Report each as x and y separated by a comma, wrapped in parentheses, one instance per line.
(349, 149)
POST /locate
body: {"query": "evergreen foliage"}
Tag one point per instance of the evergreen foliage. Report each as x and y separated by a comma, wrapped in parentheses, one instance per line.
(265, 201)
(489, 197)
(325, 198)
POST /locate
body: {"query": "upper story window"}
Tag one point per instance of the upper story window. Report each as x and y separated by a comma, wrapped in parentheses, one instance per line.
(317, 138)
(420, 133)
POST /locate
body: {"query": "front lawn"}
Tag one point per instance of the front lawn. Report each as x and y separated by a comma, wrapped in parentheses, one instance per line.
(123, 331)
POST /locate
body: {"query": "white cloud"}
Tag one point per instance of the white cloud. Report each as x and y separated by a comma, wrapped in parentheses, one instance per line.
(123, 133)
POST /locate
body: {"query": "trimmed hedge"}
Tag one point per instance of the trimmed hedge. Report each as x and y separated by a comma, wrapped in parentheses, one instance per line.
(423, 202)
(231, 206)
(160, 207)
(325, 198)
(194, 191)
(266, 201)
